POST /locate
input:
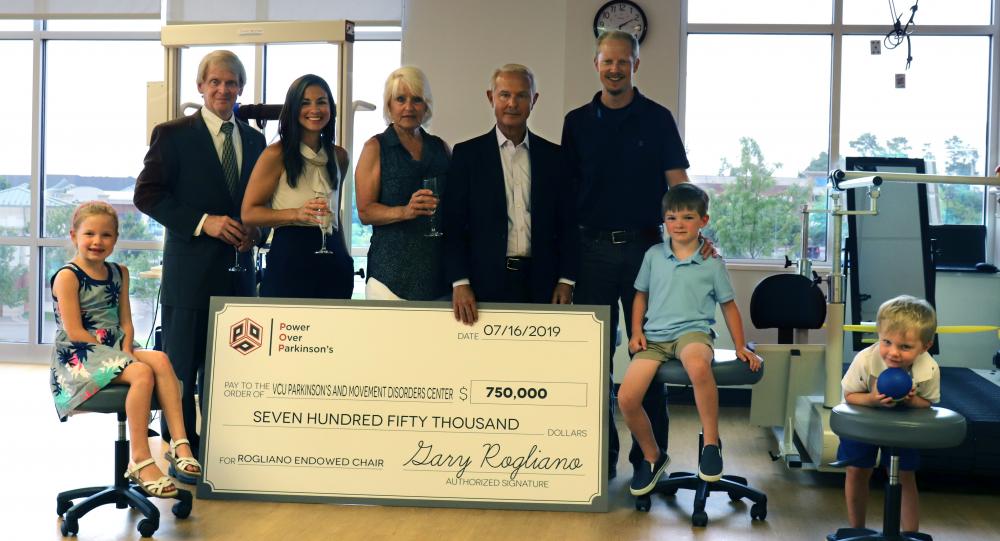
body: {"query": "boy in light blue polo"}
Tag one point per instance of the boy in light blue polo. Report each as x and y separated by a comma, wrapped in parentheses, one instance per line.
(672, 317)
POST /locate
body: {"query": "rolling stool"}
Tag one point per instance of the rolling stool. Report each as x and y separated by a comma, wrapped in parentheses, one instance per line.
(727, 371)
(111, 399)
(913, 428)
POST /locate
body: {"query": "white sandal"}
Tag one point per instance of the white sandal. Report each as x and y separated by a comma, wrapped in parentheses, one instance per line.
(161, 488)
(179, 464)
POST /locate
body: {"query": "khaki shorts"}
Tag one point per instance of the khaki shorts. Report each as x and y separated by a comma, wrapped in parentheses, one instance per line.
(665, 351)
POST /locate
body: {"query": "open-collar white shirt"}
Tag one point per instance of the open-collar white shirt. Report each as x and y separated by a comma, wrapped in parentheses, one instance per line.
(516, 162)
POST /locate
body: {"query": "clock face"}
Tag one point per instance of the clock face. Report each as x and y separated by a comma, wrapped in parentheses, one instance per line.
(621, 15)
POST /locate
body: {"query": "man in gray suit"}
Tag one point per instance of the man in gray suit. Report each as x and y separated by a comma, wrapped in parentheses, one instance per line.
(192, 182)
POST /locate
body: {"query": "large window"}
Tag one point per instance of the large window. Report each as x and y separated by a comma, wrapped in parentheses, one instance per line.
(933, 12)
(95, 139)
(15, 185)
(287, 62)
(373, 62)
(76, 130)
(941, 115)
(757, 136)
(95, 133)
(14, 291)
(104, 25)
(143, 292)
(758, 12)
(15, 139)
(16, 24)
(777, 94)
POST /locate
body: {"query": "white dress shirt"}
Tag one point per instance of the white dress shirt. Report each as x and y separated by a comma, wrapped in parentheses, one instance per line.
(516, 162)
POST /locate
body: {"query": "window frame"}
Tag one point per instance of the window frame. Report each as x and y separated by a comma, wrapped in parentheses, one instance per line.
(36, 241)
(380, 32)
(836, 29)
(36, 346)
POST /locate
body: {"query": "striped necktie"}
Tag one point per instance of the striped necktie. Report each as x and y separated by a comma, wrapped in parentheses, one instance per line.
(229, 165)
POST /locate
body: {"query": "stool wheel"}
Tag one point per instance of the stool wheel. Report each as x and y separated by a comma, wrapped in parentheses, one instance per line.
(643, 503)
(182, 509)
(699, 519)
(759, 511)
(69, 527)
(62, 506)
(147, 527)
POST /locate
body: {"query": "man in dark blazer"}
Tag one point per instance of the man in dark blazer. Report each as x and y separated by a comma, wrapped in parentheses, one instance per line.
(192, 183)
(509, 232)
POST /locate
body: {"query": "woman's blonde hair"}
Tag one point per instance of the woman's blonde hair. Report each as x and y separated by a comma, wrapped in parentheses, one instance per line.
(415, 81)
(905, 313)
(93, 208)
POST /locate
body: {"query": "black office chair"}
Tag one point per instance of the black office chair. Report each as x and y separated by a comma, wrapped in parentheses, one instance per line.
(122, 493)
(728, 371)
(787, 302)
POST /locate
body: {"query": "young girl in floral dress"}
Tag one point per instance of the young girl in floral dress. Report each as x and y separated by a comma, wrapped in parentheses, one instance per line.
(95, 346)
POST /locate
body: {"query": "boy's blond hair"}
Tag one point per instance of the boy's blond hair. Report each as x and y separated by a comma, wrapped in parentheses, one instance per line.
(907, 313)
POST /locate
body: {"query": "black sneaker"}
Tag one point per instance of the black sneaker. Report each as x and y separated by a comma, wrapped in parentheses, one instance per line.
(710, 465)
(646, 475)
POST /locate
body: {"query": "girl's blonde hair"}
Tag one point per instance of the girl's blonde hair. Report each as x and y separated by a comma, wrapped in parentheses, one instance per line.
(93, 208)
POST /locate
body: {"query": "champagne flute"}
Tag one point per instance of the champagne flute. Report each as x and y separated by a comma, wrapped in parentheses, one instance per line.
(236, 261)
(432, 185)
(324, 221)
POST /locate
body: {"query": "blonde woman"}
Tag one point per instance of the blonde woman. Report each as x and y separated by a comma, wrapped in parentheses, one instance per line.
(404, 263)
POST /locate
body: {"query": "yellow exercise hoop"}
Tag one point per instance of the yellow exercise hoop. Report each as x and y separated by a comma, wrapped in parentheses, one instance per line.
(942, 329)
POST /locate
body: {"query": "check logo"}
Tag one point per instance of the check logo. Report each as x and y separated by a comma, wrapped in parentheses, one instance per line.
(245, 336)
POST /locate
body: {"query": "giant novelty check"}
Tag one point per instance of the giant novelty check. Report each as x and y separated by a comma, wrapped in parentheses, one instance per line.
(393, 403)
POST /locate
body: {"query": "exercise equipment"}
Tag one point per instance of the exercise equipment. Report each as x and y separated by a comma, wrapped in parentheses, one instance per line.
(803, 381)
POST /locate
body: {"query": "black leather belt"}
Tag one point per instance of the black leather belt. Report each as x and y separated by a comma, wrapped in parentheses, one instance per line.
(518, 263)
(620, 236)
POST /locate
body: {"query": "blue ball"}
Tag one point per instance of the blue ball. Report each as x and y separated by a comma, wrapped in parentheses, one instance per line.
(895, 383)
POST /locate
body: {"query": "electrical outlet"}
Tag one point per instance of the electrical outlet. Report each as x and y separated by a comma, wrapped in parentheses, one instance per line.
(900, 80)
(876, 46)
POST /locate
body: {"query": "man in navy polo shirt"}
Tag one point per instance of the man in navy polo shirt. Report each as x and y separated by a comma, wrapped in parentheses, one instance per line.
(623, 151)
